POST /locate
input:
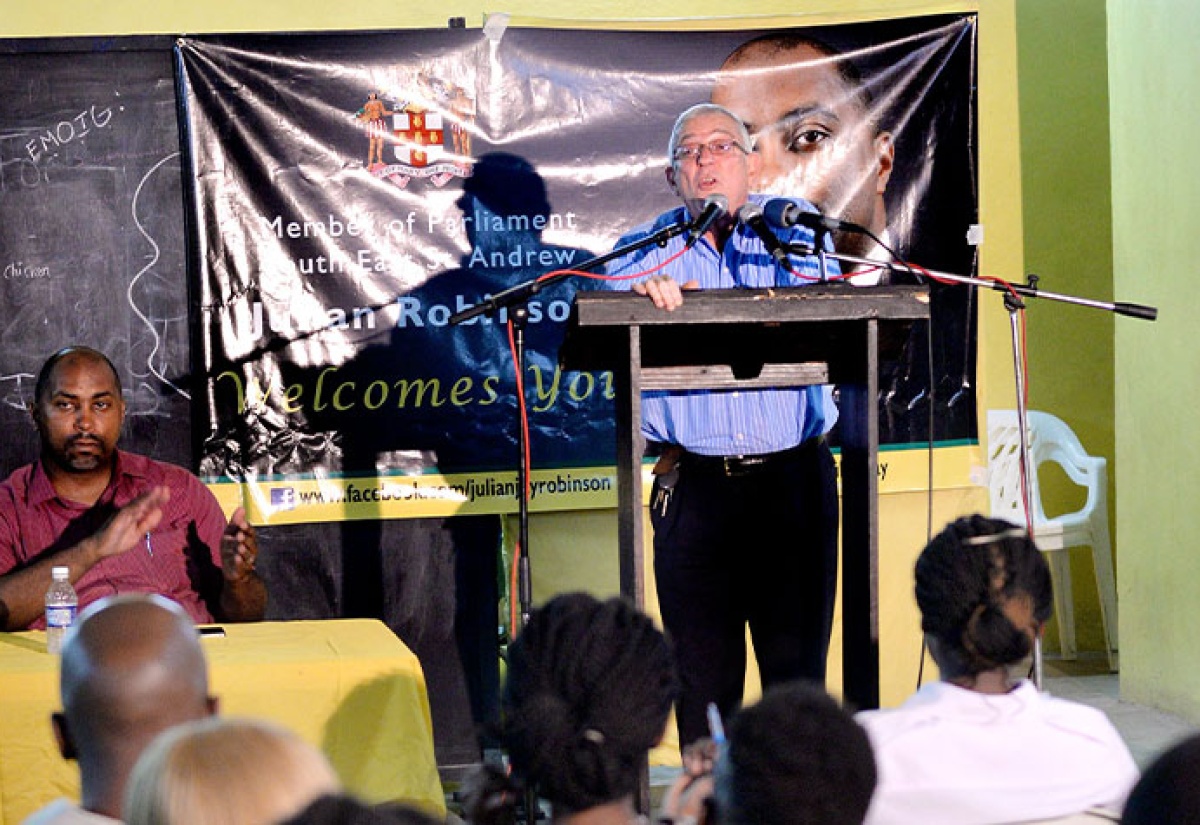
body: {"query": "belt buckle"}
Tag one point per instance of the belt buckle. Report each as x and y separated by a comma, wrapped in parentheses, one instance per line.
(740, 465)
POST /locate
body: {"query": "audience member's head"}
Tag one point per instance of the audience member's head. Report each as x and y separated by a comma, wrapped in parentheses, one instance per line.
(1169, 791)
(343, 809)
(590, 687)
(131, 668)
(794, 758)
(984, 592)
(225, 771)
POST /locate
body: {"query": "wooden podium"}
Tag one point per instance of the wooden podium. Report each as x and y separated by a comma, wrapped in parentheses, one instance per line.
(754, 339)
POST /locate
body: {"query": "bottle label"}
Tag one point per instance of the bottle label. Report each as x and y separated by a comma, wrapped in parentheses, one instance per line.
(61, 616)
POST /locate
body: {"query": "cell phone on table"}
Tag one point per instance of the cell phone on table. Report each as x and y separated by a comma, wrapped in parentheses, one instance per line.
(211, 630)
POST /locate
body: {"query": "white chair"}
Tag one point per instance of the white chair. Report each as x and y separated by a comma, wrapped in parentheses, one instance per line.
(1052, 440)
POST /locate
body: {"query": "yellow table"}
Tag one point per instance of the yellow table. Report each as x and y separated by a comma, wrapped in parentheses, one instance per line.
(348, 686)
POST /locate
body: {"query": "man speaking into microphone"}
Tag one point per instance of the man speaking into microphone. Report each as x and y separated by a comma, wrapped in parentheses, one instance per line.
(744, 504)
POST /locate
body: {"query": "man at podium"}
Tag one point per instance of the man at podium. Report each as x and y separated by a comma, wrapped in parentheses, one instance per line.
(744, 505)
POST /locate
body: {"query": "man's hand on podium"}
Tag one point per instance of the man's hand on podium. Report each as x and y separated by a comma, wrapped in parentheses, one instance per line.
(664, 291)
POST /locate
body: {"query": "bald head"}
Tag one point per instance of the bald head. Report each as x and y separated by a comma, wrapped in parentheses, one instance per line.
(71, 354)
(131, 668)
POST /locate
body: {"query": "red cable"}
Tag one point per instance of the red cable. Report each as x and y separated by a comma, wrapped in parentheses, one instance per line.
(600, 276)
(525, 458)
(514, 574)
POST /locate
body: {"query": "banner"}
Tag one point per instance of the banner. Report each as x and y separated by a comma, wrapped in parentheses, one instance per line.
(353, 191)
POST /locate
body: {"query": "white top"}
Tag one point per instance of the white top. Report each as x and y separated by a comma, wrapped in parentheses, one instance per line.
(951, 756)
(66, 812)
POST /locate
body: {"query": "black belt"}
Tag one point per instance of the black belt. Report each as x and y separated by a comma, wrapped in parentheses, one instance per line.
(742, 465)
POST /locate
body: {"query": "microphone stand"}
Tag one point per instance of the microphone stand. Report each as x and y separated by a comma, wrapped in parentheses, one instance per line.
(820, 237)
(1013, 304)
(517, 297)
(1028, 290)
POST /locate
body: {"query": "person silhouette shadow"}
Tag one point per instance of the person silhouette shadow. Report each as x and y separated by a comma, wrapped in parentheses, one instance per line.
(444, 400)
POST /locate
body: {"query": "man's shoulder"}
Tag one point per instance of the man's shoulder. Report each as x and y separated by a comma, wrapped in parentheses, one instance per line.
(66, 812)
(763, 198)
(671, 216)
(19, 478)
(155, 471)
(16, 486)
(139, 472)
(647, 255)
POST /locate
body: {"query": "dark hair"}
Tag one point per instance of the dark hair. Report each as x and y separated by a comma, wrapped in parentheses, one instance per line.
(590, 686)
(795, 758)
(984, 591)
(1169, 791)
(43, 379)
(343, 809)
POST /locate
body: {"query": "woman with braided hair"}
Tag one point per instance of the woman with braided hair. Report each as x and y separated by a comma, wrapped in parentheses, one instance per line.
(589, 688)
(983, 745)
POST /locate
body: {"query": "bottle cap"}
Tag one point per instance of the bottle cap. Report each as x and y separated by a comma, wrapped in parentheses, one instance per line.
(60, 573)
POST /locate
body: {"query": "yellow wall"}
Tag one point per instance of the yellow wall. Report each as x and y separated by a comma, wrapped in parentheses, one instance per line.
(1154, 68)
(579, 550)
(116, 17)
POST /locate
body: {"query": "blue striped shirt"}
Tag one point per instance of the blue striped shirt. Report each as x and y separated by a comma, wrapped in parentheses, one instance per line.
(729, 422)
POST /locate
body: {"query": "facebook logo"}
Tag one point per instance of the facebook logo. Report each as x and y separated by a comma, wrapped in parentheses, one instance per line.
(283, 498)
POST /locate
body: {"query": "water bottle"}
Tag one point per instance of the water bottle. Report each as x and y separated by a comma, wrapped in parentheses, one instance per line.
(61, 606)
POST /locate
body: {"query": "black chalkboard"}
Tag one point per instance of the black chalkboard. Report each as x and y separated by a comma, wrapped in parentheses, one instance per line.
(92, 231)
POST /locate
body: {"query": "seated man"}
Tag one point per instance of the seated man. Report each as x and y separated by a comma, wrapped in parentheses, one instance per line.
(131, 668)
(119, 522)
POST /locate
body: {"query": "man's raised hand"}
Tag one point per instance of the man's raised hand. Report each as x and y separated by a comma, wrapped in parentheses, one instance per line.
(130, 525)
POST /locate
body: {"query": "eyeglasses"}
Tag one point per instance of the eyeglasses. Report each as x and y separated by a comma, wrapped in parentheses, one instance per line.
(716, 148)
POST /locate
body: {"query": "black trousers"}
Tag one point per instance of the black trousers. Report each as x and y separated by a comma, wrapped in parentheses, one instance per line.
(758, 548)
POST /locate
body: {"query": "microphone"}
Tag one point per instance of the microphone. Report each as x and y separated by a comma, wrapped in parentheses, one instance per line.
(714, 207)
(751, 216)
(783, 213)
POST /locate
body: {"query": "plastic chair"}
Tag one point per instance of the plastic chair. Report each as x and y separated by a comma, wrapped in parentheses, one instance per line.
(1052, 440)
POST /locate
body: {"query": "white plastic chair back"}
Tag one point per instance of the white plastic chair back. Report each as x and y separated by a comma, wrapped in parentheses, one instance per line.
(1050, 439)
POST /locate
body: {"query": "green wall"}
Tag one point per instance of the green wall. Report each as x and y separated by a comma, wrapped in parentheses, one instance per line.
(1062, 65)
(1154, 81)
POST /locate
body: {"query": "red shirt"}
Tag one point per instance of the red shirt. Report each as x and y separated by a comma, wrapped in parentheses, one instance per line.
(182, 561)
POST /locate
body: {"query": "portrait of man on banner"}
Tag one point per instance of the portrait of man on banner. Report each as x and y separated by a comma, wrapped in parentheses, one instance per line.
(836, 123)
